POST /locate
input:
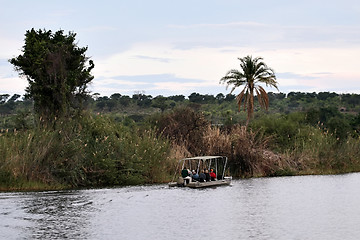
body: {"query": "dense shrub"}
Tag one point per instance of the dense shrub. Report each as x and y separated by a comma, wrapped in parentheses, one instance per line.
(309, 149)
(89, 151)
(100, 150)
(282, 128)
(183, 126)
(246, 150)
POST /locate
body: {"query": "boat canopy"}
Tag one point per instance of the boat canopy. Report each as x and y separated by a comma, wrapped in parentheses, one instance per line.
(218, 163)
(202, 158)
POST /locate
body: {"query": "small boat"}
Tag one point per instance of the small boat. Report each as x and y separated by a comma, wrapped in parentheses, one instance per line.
(215, 164)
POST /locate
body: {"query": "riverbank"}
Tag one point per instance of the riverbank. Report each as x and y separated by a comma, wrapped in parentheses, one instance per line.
(96, 151)
(91, 151)
(33, 187)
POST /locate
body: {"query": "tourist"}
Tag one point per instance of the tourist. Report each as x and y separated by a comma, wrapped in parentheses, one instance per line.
(195, 176)
(189, 173)
(184, 173)
(202, 176)
(208, 178)
(212, 175)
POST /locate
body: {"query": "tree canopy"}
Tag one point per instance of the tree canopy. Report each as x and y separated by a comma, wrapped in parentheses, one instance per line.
(57, 71)
(253, 71)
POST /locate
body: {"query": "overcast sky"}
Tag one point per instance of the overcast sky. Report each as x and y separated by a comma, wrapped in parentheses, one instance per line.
(165, 47)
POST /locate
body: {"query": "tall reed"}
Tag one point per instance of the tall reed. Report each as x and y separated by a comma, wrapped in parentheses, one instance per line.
(318, 152)
(88, 151)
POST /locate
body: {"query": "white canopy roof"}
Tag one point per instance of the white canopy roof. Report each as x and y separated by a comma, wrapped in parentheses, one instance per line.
(202, 157)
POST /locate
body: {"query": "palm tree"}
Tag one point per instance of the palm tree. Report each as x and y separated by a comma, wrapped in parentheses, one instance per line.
(254, 71)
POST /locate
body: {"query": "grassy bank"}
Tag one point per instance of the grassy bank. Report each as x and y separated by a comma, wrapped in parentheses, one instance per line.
(273, 145)
(95, 150)
(309, 149)
(90, 151)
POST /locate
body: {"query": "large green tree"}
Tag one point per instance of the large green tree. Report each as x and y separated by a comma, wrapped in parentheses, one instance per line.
(253, 71)
(57, 70)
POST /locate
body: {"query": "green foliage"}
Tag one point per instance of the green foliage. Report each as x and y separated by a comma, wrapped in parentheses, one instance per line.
(56, 70)
(160, 102)
(148, 156)
(282, 128)
(6, 179)
(89, 151)
(321, 115)
(339, 127)
(183, 125)
(121, 147)
(311, 149)
(142, 100)
(177, 98)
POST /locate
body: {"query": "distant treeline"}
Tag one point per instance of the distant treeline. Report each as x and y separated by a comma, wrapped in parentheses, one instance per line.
(292, 101)
(339, 113)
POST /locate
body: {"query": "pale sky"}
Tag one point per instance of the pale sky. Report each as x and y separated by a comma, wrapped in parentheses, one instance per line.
(164, 47)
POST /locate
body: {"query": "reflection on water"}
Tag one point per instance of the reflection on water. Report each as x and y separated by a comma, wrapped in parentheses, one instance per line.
(308, 207)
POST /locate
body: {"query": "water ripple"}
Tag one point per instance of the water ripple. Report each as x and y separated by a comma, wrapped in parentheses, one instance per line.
(309, 207)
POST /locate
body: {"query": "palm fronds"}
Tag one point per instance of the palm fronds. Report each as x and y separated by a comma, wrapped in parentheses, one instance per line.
(253, 71)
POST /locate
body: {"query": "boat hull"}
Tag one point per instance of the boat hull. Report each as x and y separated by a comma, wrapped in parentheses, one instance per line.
(226, 181)
(209, 184)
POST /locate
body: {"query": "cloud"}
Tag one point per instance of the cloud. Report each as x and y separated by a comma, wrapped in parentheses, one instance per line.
(99, 28)
(12, 85)
(265, 35)
(288, 75)
(162, 59)
(218, 25)
(9, 47)
(155, 84)
(62, 13)
(153, 58)
(161, 69)
(193, 57)
(159, 65)
(319, 82)
(4, 63)
(160, 78)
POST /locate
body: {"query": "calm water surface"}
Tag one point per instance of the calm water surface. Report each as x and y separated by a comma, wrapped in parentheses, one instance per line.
(306, 207)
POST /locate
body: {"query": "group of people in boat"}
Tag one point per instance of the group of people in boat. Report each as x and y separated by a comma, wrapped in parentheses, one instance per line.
(204, 176)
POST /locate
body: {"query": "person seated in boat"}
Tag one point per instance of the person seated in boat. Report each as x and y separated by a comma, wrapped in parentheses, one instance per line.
(202, 176)
(195, 176)
(189, 173)
(212, 175)
(208, 178)
(184, 173)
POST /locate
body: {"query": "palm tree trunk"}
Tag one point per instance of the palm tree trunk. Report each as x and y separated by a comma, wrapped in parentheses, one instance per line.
(247, 122)
(250, 107)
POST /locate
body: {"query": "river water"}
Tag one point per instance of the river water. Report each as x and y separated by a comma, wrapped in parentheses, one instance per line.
(301, 207)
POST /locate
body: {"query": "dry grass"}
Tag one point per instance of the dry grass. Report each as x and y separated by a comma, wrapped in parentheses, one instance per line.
(246, 150)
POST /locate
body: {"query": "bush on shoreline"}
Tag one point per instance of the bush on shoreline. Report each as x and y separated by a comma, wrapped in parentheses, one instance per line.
(90, 151)
(95, 150)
